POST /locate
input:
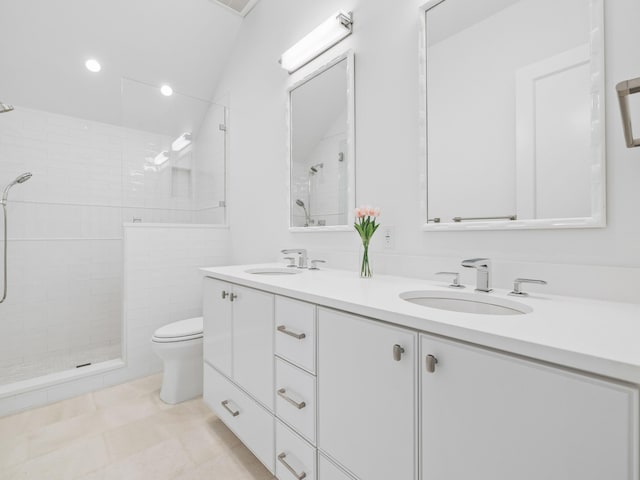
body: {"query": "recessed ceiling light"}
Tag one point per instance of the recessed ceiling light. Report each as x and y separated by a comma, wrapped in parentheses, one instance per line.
(166, 90)
(93, 65)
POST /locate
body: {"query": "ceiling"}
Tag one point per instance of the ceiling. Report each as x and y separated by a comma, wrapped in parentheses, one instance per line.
(44, 44)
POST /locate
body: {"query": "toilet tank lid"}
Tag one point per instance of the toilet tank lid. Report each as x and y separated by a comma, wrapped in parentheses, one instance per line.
(182, 328)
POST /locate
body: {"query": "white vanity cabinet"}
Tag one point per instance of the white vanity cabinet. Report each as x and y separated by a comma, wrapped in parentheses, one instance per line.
(238, 336)
(491, 416)
(367, 396)
(325, 394)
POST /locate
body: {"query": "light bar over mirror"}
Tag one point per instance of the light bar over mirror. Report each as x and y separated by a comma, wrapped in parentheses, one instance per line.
(330, 32)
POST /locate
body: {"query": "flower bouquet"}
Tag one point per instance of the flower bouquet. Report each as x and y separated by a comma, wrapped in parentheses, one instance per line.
(366, 226)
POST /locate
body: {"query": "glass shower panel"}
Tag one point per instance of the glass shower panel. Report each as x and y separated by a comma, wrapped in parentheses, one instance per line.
(174, 157)
(63, 308)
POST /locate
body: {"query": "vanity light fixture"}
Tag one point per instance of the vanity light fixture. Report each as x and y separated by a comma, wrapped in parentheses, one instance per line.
(166, 90)
(330, 32)
(182, 142)
(161, 158)
(93, 65)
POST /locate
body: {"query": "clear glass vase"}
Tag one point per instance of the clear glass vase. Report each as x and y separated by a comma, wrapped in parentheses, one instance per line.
(365, 269)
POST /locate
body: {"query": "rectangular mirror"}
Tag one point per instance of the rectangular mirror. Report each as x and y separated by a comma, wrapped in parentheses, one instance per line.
(513, 114)
(321, 148)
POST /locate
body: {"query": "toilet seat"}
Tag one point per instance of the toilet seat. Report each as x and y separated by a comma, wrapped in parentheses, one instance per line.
(175, 339)
(182, 331)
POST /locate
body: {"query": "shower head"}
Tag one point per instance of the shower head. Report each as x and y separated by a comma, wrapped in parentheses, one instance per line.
(4, 108)
(300, 203)
(20, 179)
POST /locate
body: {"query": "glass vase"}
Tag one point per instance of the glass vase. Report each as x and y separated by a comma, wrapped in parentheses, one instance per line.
(365, 269)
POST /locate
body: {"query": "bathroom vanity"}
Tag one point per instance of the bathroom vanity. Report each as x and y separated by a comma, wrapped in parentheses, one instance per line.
(325, 375)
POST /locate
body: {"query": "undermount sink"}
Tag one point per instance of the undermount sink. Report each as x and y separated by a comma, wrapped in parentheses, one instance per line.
(466, 302)
(274, 271)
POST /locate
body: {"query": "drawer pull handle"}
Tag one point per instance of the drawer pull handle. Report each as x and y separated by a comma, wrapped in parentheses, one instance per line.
(225, 404)
(224, 294)
(282, 393)
(233, 296)
(281, 459)
(431, 362)
(283, 329)
(397, 352)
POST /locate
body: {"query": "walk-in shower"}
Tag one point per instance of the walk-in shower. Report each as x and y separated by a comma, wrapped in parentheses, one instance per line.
(20, 179)
(78, 301)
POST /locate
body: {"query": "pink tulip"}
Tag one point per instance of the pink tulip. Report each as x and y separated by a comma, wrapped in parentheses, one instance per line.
(366, 211)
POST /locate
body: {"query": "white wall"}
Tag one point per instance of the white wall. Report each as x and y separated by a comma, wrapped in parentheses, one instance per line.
(385, 41)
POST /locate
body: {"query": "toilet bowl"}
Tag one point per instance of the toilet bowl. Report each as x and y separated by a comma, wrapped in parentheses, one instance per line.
(179, 345)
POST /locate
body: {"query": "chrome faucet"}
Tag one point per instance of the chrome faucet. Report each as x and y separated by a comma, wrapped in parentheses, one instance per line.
(483, 266)
(302, 259)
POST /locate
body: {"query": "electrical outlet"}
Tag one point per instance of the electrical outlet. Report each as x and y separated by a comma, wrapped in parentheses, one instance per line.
(389, 237)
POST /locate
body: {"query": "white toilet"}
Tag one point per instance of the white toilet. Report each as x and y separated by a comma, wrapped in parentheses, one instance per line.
(179, 345)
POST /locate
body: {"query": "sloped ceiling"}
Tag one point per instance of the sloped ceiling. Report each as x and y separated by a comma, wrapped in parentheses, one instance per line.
(44, 44)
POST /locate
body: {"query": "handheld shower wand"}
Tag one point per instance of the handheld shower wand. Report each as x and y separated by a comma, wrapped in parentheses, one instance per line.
(21, 179)
(307, 218)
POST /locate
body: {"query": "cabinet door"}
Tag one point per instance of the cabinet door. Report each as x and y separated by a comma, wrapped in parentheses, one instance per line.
(217, 325)
(253, 343)
(490, 416)
(366, 397)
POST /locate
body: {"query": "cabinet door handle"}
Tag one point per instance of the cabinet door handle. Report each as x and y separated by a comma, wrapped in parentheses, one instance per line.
(431, 362)
(283, 329)
(282, 393)
(281, 459)
(233, 296)
(225, 404)
(224, 294)
(397, 352)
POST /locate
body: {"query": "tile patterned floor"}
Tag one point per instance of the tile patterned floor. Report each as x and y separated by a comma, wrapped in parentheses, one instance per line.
(123, 433)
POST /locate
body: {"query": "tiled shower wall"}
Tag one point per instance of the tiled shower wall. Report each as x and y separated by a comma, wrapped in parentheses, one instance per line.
(66, 238)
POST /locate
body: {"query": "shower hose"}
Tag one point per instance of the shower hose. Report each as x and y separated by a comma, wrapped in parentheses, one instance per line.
(4, 263)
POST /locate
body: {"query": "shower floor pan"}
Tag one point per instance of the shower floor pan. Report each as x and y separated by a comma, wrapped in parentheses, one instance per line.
(58, 362)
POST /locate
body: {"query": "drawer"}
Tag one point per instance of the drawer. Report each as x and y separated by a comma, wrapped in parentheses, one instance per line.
(296, 399)
(296, 332)
(327, 470)
(295, 458)
(244, 416)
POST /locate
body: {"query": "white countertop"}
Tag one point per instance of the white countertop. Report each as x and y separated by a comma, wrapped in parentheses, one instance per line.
(594, 336)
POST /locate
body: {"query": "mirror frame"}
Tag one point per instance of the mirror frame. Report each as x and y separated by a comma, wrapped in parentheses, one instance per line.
(598, 127)
(349, 57)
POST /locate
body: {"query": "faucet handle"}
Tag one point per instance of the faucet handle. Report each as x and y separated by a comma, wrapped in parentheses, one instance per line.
(314, 264)
(456, 279)
(517, 290)
(291, 260)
